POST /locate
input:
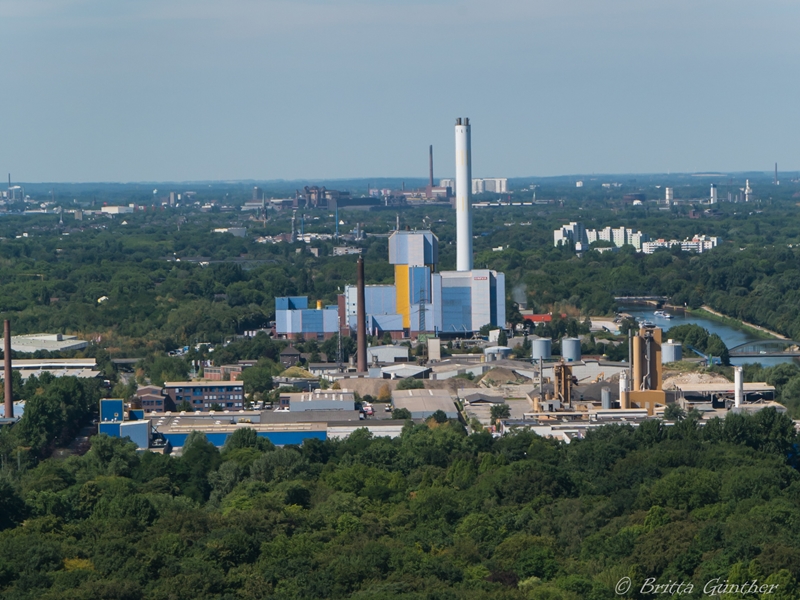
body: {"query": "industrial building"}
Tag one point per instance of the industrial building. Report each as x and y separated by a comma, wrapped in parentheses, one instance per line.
(293, 318)
(48, 342)
(205, 394)
(423, 403)
(455, 303)
(84, 368)
(323, 400)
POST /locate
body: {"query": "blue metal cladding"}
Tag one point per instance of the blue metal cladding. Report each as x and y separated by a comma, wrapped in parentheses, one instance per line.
(330, 320)
(279, 438)
(283, 321)
(419, 284)
(135, 414)
(284, 438)
(500, 294)
(456, 308)
(422, 318)
(112, 409)
(312, 321)
(386, 322)
(110, 429)
(137, 431)
(380, 299)
(291, 303)
(436, 301)
(413, 248)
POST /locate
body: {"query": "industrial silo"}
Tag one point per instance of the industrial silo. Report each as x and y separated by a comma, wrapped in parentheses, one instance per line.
(671, 351)
(571, 349)
(605, 398)
(541, 348)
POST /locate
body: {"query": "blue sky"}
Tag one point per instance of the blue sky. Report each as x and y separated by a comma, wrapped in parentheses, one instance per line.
(135, 90)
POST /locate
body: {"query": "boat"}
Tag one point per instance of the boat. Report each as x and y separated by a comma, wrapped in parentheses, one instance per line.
(663, 314)
(648, 324)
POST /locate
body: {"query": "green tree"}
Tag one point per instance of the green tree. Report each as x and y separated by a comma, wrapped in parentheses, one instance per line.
(500, 411)
(409, 383)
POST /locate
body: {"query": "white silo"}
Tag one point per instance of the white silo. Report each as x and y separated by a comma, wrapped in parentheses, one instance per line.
(571, 349)
(541, 349)
(671, 351)
(713, 194)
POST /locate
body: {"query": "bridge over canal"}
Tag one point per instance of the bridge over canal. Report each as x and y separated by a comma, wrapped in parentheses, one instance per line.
(766, 348)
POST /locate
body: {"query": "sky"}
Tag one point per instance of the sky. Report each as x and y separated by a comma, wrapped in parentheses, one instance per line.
(179, 90)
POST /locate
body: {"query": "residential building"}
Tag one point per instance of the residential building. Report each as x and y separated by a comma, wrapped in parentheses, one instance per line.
(699, 244)
(576, 234)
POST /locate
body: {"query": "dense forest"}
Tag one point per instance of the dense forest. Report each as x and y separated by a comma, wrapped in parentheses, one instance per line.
(432, 514)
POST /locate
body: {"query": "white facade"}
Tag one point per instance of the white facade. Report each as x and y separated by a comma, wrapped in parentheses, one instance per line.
(668, 195)
(572, 233)
(699, 244)
(713, 194)
(117, 210)
(497, 185)
(575, 233)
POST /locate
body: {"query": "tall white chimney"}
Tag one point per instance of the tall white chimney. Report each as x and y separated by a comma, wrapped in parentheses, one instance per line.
(738, 386)
(463, 193)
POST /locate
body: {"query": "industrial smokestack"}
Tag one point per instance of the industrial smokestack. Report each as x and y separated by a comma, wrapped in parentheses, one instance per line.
(430, 166)
(463, 193)
(738, 386)
(361, 331)
(7, 366)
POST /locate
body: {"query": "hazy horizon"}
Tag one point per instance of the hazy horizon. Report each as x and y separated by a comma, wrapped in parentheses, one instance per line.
(175, 90)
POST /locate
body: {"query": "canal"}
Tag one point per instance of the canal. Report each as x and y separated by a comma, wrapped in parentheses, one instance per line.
(732, 337)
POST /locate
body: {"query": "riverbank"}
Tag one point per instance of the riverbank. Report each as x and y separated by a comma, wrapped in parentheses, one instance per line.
(754, 330)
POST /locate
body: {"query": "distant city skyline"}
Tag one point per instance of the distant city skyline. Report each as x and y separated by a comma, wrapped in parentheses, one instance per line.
(307, 90)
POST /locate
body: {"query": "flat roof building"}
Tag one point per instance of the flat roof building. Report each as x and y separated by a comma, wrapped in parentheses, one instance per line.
(423, 403)
(49, 342)
(202, 395)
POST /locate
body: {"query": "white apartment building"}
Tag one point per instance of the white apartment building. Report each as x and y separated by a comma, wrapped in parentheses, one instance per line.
(572, 233)
(497, 185)
(699, 244)
(577, 234)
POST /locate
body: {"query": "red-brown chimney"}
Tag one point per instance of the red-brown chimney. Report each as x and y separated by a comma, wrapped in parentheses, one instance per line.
(361, 310)
(9, 401)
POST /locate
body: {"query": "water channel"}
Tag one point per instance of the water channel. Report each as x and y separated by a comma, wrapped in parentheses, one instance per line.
(732, 337)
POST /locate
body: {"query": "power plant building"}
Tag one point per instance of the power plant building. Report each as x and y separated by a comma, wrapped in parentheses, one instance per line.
(421, 299)
(293, 318)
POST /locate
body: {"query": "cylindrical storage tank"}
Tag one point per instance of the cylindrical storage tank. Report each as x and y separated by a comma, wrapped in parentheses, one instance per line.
(319, 304)
(497, 352)
(541, 348)
(571, 349)
(671, 352)
(605, 398)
